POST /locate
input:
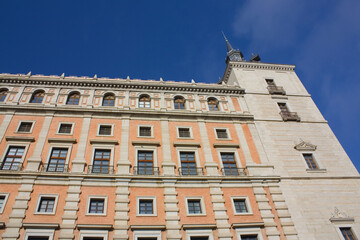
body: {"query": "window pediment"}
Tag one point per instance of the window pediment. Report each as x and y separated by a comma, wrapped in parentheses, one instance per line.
(305, 146)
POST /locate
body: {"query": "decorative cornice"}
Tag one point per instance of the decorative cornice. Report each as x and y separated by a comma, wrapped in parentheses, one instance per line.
(104, 141)
(41, 225)
(147, 143)
(147, 227)
(198, 226)
(61, 140)
(338, 216)
(95, 226)
(226, 145)
(187, 144)
(245, 225)
(305, 146)
(19, 138)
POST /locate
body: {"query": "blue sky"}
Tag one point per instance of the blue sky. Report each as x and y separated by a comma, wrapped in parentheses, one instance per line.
(181, 40)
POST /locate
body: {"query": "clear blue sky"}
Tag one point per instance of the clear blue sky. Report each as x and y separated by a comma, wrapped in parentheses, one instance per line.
(181, 40)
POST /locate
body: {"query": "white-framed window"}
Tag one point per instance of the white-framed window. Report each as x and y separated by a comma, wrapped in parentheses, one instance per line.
(96, 205)
(146, 131)
(46, 204)
(241, 205)
(189, 161)
(3, 199)
(25, 127)
(147, 235)
(222, 134)
(204, 234)
(58, 158)
(93, 235)
(146, 161)
(184, 132)
(310, 161)
(65, 128)
(249, 233)
(230, 162)
(213, 104)
(103, 159)
(195, 206)
(105, 130)
(146, 206)
(39, 234)
(144, 101)
(13, 156)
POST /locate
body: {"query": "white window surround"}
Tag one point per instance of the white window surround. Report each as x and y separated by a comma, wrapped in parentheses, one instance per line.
(96, 197)
(147, 148)
(286, 104)
(199, 233)
(346, 225)
(138, 101)
(247, 203)
(227, 132)
(203, 209)
(105, 124)
(218, 104)
(152, 131)
(39, 232)
(72, 128)
(110, 147)
(6, 196)
(147, 234)
(249, 231)
(93, 233)
(25, 121)
(63, 145)
(55, 196)
(190, 130)
(154, 205)
(227, 150)
(15, 144)
(185, 102)
(188, 149)
(317, 162)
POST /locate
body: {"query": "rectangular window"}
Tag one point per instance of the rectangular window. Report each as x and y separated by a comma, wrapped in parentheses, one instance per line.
(38, 238)
(101, 163)
(13, 158)
(146, 206)
(194, 206)
(240, 205)
(184, 132)
(46, 205)
(25, 127)
(96, 206)
(283, 108)
(188, 165)
(229, 164)
(199, 238)
(145, 163)
(249, 237)
(309, 159)
(93, 238)
(222, 133)
(3, 199)
(57, 160)
(145, 132)
(65, 128)
(347, 233)
(105, 130)
(270, 82)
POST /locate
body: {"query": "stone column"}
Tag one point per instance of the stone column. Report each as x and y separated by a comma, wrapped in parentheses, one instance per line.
(231, 104)
(167, 165)
(121, 217)
(171, 211)
(123, 163)
(4, 124)
(34, 161)
(243, 105)
(78, 164)
(197, 103)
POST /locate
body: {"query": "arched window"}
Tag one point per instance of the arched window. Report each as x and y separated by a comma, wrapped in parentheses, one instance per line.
(37, 97)
(179, 102)
(3, 93)
(73, 98)
(109, 100)
(213, 104)
(144, 101)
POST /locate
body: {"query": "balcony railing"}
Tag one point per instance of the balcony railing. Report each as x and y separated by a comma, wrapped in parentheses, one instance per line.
(54, 168)
(276, 90)
(139, 170)
(234, 172)
(7, 167)
(100, 169)
(290, 116)
(191, 171)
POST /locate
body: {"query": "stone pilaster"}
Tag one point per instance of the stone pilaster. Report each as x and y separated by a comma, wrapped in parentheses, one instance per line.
(221, 217)
(14, 225)
(171, 211)
(121, 217)
(78, 164)
(4, 124)
(231, 104)
(71, 207)
(167, 165)
(243, 105)
(123, 163)
(243, 143)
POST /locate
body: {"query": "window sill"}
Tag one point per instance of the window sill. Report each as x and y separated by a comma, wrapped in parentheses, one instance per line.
(243, 214)
(316, 170)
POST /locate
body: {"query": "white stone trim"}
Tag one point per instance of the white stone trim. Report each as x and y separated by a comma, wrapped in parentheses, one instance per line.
(190, 130)
(39, 232)
(147, 233)
(248, 231)
(188, 149)
(55, 196)
(63, 145)
(93, 233)
(346, 225)
(6, 196)
(105, 198)
(151, 129)
(15, 144)
(105, 125)
(25, 121)
(199, 233)
(154, 206)
(72, 128)
(247, 203)
(202, 205)
(227, 132)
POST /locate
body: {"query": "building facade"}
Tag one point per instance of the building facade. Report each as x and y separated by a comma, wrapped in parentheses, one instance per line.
(250, 157)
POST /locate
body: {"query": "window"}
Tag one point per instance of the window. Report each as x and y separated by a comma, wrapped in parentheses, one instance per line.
(13, 158)
(57, 160)
(96, 206)
(146, 206)
(37, 97)
(229, 164)
(25, 127)
(309, 159)
(179, 103)
(145, 163)
(184, 132)
(194, 206)
(105, 130)
(270, 82)
(38, 238)
(3, 200)
(144, 101)
(101, 161)
(93, 234)
(73, 99)
(199, 238)
(347, 233)
(188, 165)
(46, 204)
(109, 100)
(213, 104)
(283, 108)
(249, 237)
(147, 234)
(250, 233)
(39, 234)
(203, 234)
(241, 205)
(221, 134)
(3, 94)
(145, 131)
(65, 128)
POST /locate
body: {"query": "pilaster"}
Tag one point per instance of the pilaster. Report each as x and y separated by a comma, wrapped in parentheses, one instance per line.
(171, 211)
(4, 124)
(121, 217)
(167, 165)
(78, 164)
(243, 143)
(123, 163)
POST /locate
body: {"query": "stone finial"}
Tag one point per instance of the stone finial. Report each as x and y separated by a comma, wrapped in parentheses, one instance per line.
(128, 79)
(28, 74)
(192, 81)
(62, 75)
(161, 80)
(95, 76)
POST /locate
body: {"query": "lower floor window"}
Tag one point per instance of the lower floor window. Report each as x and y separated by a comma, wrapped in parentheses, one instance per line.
(347, 233)
(39, 234)
(249, 237)
(199, 238)
(38, 238)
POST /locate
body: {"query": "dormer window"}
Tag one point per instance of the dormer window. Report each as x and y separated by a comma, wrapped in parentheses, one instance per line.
(144, 101)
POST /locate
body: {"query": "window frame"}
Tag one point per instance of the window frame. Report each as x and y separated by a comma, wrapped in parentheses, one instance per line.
(6, 95)
(139, 102)
(37, 91)
(249, 231)
(236, 157)
(70, 95)
(64, 145)
(217, 105)
(179, 97)
(151, 129)
(6, 197)
(199, 233)
(227, 132)
(103, 147)
(93, 233)
(202, 205)
(40, 196)
(154, 206)
(72, 128)
(247, 203)
(190, 131)
(318, 163)
(346, 225)
(25, 121)
(39, 233)
(14, 144)
(147, 148)
(104, 197)
(105, 125)
(106, 95)
(147, 234)
(189, 149)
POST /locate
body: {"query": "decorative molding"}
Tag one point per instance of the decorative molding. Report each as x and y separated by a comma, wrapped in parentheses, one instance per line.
(95, 226)
(187, 144)
(305, 146)
(198, 226)
(226, 145)
(41, 225)
(104, 141)
(338, 216)
(247, 225)
(147, 227)
(152, 143)
(61, 140)
(20, 139)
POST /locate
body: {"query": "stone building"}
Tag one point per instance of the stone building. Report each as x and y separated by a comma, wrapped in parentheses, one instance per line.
(250, 157)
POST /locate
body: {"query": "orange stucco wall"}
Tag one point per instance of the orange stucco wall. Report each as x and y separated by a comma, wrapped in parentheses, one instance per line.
(12, 190)
(251, 144)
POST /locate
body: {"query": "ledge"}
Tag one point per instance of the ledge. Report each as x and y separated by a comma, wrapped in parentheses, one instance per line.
(104, 141)
(226, 145)
(246, 225)
(95, 226)
(61, 140)
(187, 144)
(341, 220)
(2, 225)
(148, 143)
(20, 139)
(316, 170)
(147, 227)
(41, 225)
(198, 226)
